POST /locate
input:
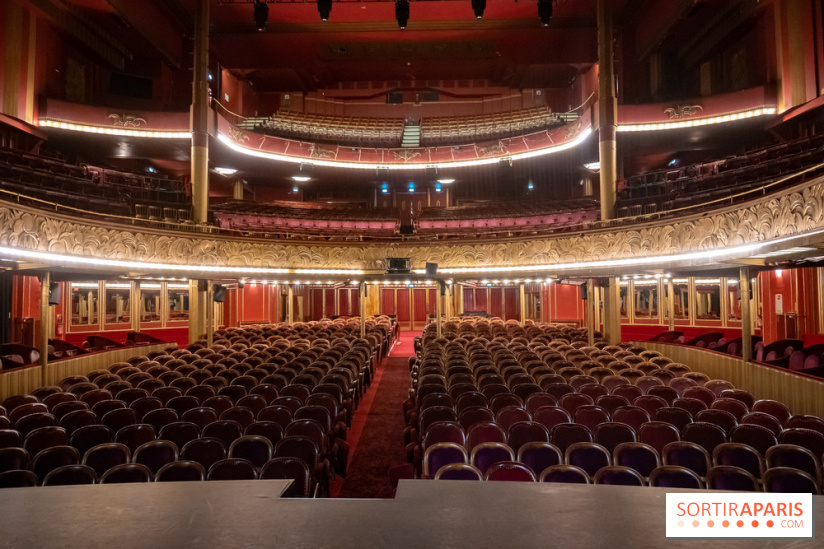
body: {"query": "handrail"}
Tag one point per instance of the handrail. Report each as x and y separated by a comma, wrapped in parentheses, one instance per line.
(434, 236)
(731, 199)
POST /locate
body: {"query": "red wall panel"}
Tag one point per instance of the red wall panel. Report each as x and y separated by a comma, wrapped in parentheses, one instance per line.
(420, 304)
(317, 303)
(481, 302)
(329, 310)
(253, 305)
(343, 302)
(513, 303)
(388, 301)
(496, 302)
(403, 305)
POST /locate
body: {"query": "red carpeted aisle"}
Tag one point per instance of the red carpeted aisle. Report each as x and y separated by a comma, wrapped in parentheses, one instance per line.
(376, 436)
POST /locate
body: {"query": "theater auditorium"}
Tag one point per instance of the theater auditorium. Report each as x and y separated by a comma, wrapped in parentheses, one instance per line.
(415, 273)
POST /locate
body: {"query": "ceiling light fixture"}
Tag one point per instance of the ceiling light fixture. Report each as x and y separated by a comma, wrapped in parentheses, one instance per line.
(478, 6)
(324, 9)
(261, 14)
(545, 12)
(402, 13)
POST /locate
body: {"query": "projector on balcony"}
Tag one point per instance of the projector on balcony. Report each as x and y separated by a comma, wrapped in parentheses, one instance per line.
(398, 265)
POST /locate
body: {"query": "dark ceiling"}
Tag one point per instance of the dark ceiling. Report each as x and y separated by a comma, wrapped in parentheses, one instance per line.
(362, 41)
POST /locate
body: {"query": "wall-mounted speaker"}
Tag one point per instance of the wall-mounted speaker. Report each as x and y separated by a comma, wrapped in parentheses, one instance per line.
(219, 293)
(432, 270)
(584, 291)
(55, 293)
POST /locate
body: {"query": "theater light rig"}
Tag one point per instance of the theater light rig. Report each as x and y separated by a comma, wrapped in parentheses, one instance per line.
(324, 9)
(402, 13)
(261, 12)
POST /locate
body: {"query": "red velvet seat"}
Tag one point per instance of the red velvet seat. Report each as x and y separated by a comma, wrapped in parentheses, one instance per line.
(510, 472)
(618, 475)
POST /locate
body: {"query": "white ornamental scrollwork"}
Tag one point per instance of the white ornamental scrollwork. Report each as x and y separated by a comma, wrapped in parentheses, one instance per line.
(784, 213)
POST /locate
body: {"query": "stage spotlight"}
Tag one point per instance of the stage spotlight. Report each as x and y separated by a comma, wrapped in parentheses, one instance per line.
(324, 9)
(478, 6)
(545, 12)
(402, 12)
(261, 14)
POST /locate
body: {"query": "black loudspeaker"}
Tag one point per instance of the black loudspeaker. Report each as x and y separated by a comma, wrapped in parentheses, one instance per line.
(55, 293)
(219, 293)
(432, 270)
(584, 291)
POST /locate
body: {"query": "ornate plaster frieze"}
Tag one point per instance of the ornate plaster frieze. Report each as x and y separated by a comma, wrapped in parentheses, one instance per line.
(786, 213)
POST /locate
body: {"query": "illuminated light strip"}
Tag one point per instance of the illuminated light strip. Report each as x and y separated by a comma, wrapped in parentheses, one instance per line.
(738, 251)
(96, 262)
(586, 132)
(693, 122)
(104, 130)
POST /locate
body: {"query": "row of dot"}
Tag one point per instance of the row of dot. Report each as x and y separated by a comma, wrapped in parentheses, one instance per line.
(726, 523)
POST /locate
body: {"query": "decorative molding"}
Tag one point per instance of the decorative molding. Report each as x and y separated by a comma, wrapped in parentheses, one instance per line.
(127, 120)
(682, 111)
(238, 135)
(786, 213)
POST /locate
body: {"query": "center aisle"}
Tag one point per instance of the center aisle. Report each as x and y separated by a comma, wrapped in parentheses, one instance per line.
(377, 428)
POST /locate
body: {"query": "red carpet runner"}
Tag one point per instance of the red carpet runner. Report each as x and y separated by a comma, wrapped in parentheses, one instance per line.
(376, 436)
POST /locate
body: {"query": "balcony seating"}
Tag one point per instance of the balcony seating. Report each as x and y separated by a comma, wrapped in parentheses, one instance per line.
(147, 435)
(306, 218)
(321, 128)
(699, 183)
(93, 189)
(508, 217)
(322, 221)
(452, 130)
(685, 443)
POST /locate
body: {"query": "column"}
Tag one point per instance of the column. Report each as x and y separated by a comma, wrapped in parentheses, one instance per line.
(210, 312)
(439, 308)
(460, 299)
(612, 311)
(362, 303)
(197, 309)
(746, 313)
(43, 342)
(671, 304)
(237, 190)
(607, 106)
(522, 295)
(590, 307)
(290, 304)
(200, 115)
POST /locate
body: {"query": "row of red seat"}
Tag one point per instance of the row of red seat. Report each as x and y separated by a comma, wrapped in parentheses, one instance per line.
(545, 401)
(698, 183)
(261, 402)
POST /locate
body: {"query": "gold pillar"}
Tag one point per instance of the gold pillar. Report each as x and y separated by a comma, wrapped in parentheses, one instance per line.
(210, 312)
(237, 190)
(746, 314)
(290, 304)
(439, 309)
(612, 311)
(607, 106)
(522, 295)
(671, 304)
(590, 303)
(197, 309)
(200, 115)
(43, 343)
(362, 303)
